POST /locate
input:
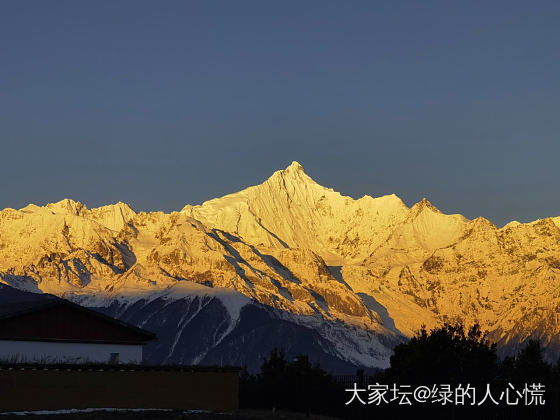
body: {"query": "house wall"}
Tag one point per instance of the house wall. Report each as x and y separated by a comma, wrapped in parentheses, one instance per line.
(52, 389)
(45, 351)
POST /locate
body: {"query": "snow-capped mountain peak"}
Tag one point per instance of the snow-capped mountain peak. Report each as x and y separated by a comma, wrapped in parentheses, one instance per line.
(293, 258)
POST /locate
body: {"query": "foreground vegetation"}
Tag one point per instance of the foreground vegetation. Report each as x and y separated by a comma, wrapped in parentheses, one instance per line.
(294, 388)
(449, 355)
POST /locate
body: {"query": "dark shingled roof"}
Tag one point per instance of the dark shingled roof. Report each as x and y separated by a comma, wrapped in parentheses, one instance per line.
(14, 303)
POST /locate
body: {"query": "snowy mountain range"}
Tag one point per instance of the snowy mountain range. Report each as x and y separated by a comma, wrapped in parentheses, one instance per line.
(290, 263)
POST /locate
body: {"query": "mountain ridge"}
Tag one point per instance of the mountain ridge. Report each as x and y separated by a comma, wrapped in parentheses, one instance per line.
(362, 274)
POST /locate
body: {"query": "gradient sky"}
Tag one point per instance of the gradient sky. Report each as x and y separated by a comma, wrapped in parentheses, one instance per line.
(164, 103)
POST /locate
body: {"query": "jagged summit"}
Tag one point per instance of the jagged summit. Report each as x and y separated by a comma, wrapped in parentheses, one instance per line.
(483, 223)
(294, 174)
(421, 206)
(112, 216)
(512, 224)
(67, 205)
(295, 166)
(351, 270)
(290, 209)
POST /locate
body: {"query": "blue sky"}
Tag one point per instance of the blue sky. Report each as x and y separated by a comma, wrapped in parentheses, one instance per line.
(160, 104)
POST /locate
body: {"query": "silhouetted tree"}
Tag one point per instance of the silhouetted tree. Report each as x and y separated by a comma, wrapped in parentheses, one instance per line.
(272, 381)
(247, 389)
(528, 366)
(449, 354)
(294, 385)
(445, 355)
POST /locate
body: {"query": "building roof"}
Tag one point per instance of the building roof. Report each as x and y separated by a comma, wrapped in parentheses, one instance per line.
(10, 310)
(11, 295)
(18, 308)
